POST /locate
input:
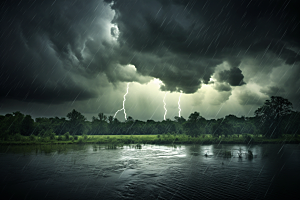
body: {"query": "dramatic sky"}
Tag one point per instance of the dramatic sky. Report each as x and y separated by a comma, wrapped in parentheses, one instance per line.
(225, 56)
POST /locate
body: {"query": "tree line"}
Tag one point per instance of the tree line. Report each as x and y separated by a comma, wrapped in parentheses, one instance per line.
(274, 118)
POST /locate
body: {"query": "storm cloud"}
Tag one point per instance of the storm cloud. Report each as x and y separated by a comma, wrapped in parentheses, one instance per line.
(233, 76)
(66, 51)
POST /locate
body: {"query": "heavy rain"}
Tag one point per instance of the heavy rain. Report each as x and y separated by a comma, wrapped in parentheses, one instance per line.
(149, 99)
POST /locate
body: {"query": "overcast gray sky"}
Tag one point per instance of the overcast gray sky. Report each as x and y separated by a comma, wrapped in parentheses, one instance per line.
(226, 57)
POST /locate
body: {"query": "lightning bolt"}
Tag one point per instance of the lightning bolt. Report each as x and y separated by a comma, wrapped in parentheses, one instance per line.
(179, 102)
(123, 104)
(165, 106)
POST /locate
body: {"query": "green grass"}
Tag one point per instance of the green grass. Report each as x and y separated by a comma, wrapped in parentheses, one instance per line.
(119, 140)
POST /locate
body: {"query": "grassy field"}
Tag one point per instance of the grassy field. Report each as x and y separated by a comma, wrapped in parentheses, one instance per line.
(150, 139)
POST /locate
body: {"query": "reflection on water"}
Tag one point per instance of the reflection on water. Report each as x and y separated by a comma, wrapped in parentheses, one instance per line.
(152, 172)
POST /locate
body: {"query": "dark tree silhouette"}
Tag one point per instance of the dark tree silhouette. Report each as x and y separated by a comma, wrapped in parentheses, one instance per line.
(180, 119)
(129, 119)
(110, 119)
(271, 115)
(102, 117)
(272, 119)
(76, 122)
(27, 125)
(194, 125)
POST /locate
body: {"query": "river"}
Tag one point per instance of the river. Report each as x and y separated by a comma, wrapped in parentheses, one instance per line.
(152, 172)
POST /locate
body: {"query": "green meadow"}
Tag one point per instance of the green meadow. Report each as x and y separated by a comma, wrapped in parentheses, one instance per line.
(149, 139)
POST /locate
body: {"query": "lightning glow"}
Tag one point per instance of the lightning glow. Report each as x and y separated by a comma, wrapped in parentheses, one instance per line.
(123, 104)
(179, 103)
(165, 107)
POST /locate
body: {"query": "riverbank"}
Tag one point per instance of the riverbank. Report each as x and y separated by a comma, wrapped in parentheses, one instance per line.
(152, 139)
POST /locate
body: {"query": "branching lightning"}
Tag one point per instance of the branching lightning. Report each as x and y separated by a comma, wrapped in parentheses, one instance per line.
(179, 103)
(123, 104)
(165, 106)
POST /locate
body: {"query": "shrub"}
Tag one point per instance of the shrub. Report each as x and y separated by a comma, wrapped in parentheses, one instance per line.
(47, 133)
(80, 141)
(250, 154)
(59, 138)
(71, 138)
(5, 135)
(67, 135)
(227, 153)
(84, 136)
(52, 136)
(31, 137)
(41, 139)
(75, 137)
(18, 137)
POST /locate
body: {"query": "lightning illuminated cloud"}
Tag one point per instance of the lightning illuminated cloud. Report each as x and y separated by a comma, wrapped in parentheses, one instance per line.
(179, 103)
(123, 103)
(165, 106)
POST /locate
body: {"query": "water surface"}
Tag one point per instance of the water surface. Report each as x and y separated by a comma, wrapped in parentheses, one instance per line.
(153, 172)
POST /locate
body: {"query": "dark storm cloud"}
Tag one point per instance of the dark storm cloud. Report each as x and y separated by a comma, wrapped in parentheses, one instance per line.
(50, 50)
(233, 76)
(41, 43)
(203, 34)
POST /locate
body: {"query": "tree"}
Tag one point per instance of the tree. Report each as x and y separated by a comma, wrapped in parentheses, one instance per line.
(27, 125)
(76, 120)
(271, 115)
(216, 131)
(110, 119)
(129, 119)
(15, 126)
(193, 124)
(194, 117)
(98, 126)
(180, 120)
(102, 117)
(221, 127)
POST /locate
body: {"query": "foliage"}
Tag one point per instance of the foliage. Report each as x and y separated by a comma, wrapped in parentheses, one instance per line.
(271, 115)
(250, 154)
(80, 141)
(272, 119)
(47, 133)
(195, 124)
(59, 138)
(84, 136)
(52, 136)
(32, 137)
(27, 125)
(18, 137)
(120, 140)
(67, 135)
(227, 154)
(76, 122)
